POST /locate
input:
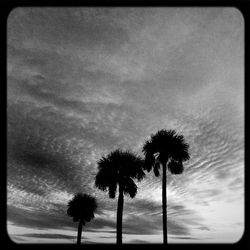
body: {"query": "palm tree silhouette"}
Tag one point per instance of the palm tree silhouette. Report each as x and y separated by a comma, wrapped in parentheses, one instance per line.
(166, 149)
(81, 208)
(119, 168)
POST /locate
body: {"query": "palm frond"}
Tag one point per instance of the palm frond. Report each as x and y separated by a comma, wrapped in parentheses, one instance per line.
(156, 169)
(130, 187)
(107, 174)
(112, 189)
(175, 167)
(149, 150)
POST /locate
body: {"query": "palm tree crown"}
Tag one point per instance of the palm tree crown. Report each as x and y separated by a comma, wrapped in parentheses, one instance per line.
(119, 167)
(82, 208)
(165, 147)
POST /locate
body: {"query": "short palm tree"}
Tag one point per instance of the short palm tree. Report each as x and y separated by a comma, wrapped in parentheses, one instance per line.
(165, 149)
(119, 168)
(81, 208)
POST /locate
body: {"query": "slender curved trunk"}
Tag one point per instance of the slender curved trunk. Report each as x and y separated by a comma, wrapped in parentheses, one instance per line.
(79, 233)
(164, 202)
(119, 216)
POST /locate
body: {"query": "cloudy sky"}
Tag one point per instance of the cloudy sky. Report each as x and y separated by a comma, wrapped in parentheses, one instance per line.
(85, 81)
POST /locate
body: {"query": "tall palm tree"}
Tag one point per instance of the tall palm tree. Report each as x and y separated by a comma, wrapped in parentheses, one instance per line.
(165, 149)
(119, 168)
(81, 207)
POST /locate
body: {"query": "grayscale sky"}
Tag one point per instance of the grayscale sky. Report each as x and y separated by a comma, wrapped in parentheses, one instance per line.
(85, 81)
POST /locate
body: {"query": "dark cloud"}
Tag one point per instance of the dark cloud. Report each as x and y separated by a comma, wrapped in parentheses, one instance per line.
(139, 241)
(38, 219)
(104, 223)
(174, 228)
(181, 220)
(185, 237)
(142, 224)
(54, 218)
(49, 236)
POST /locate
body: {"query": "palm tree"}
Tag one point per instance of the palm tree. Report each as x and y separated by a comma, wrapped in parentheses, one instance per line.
(81, 208)
(119, 168)
(165, 149)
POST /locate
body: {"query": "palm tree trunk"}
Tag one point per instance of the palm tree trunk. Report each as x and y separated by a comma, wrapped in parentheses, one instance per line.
(79, 233)
(119, 216)
(164, 202)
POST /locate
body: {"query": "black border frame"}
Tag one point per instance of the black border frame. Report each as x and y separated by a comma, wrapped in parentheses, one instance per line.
(6, 6)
